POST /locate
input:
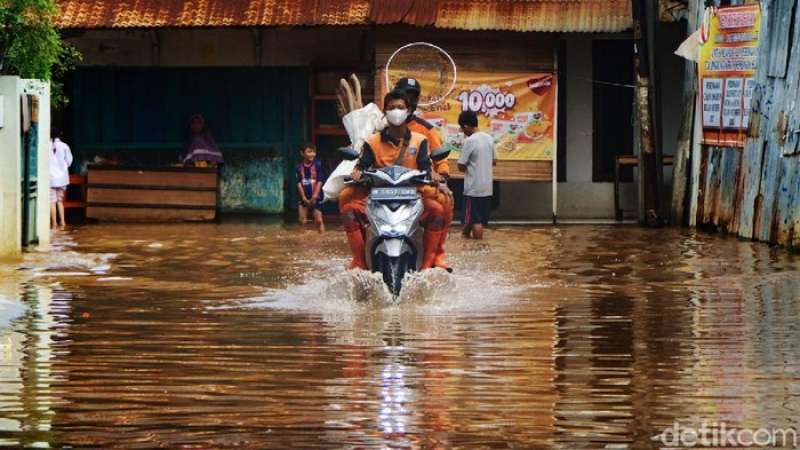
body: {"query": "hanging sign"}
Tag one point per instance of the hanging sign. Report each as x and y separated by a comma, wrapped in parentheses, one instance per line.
(727, 69)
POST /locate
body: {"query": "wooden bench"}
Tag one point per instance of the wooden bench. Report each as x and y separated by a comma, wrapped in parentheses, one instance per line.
(79, 182)
(629, 161)
(152, 194)
(510, 170)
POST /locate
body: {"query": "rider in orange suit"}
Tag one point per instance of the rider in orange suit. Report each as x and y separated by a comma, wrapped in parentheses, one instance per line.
(384, 149)
(417, 124)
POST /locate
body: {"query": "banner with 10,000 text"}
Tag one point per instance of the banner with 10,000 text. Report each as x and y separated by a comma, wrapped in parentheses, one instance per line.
(517, 109)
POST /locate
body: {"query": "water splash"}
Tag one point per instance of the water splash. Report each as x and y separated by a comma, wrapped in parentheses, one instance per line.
(477, 289)
(433, 290)
(342, 291)
(54, 263)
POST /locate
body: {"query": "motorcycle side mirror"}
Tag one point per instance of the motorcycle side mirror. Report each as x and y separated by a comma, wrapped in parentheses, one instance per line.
(440, 154)
(349, 153)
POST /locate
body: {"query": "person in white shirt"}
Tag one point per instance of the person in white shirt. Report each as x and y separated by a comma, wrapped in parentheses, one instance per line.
(478, 156)
(60, 160)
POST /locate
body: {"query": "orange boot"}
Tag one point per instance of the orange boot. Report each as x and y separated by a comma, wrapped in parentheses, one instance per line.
(356, 241)
(447, 204)
(439, 260)
(431, 241)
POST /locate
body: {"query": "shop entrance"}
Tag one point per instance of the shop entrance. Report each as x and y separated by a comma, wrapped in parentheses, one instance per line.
(612, 61)
(139, 117)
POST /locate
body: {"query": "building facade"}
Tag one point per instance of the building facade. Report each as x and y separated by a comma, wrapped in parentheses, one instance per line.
(24, 174)
(264, 74)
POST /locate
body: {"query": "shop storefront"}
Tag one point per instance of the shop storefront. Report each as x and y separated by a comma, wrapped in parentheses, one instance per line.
(265, 78)
(132, 102)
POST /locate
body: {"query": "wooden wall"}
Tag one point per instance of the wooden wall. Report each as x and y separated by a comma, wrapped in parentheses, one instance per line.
(163, 194)
(755, 192)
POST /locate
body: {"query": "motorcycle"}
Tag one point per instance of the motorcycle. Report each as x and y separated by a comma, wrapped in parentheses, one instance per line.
(393, 241)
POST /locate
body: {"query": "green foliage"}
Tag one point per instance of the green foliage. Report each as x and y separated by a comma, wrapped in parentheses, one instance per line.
(31, 47)
(68, 58)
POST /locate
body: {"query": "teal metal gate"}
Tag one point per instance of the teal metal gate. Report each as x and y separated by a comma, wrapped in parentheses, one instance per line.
(30, 167)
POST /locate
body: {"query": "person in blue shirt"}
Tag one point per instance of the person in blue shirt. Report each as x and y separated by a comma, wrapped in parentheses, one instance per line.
(310, 178)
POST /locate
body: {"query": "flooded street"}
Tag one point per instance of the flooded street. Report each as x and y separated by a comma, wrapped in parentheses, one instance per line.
(250, 335)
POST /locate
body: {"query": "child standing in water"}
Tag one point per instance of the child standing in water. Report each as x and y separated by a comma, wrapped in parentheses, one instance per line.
(310, 178)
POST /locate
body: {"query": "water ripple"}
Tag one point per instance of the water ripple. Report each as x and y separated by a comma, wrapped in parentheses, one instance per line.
(253, 336)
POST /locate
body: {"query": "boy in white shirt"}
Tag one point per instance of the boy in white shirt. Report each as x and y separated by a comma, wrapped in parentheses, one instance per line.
(60, 160)
(478, 156)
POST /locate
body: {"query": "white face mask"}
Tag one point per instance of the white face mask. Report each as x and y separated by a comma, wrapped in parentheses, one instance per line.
(397, 117)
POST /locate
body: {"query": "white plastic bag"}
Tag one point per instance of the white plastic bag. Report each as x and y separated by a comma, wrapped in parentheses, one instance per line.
(335, 182)
(361, 123)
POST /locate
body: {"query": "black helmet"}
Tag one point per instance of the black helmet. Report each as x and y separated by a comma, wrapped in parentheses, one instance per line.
(410, 85)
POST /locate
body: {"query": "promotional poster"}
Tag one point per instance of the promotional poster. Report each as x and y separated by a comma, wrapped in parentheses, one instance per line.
(517, 109)
(726, 72)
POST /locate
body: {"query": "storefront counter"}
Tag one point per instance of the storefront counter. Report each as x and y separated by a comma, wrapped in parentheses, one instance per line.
(152, 194)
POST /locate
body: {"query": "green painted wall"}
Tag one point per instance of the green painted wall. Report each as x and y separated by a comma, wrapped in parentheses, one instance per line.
(252, 181)
(140, 115)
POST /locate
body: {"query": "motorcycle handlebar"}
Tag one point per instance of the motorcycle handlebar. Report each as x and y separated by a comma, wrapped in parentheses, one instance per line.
(366, 181)
(351, 182)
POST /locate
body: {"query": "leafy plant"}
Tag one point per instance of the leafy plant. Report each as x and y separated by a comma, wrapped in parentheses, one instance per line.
(31, 47)
(69, 57)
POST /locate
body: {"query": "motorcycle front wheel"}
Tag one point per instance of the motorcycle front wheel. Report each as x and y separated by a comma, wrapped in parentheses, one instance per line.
(394, 270)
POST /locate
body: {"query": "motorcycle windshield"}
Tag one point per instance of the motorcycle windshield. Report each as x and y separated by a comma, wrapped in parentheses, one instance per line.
(394, 176)
(395, 172)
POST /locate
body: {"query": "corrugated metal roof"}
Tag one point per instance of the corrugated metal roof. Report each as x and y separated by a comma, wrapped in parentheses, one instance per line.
(412, 12)
(513, 15)
(209, 13)
(542, 15)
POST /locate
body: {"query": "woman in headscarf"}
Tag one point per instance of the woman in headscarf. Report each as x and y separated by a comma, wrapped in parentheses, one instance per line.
(200, 149)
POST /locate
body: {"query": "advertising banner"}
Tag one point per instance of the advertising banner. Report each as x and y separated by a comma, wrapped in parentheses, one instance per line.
(517, 109)
(726, 75)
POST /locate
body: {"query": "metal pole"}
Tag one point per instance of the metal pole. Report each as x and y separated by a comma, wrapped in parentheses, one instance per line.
(555, 141)
(653, 24)
(681, 172)
(648, 164)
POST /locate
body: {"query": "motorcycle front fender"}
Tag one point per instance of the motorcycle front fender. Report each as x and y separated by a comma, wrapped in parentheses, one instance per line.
(393, 248)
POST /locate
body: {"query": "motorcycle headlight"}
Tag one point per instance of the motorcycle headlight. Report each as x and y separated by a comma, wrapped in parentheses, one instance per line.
(398, 229)
(388, 223)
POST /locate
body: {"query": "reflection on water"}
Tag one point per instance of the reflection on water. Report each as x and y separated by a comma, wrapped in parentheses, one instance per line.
(26, 352)
(251, 336)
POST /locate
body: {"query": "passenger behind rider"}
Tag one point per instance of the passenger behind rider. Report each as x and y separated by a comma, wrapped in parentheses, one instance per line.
(395, 145)
(413, 89)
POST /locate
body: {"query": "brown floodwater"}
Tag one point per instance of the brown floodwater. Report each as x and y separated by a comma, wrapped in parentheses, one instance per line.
(251, 335)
